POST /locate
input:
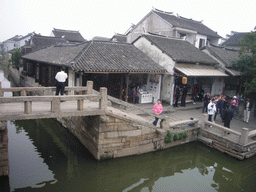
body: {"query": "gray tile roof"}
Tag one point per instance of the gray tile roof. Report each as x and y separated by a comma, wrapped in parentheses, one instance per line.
(71, 36)
(180, 50)
(227, 56)
(38, 42)
(98, 56)
(57, 54)
(103, 56)
(187, 24)
(234, 40)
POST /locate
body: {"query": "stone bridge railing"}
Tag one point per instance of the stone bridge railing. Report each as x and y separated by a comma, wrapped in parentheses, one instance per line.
(43, 91)
(55, 101)
(242, 138)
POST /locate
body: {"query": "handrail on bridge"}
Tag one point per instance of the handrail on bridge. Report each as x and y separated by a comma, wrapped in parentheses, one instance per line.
(55, 100)
(49, 90)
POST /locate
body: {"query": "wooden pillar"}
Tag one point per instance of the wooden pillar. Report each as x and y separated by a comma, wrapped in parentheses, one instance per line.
(104, 98)
(81, 79)
(127, 88)
(121, 87)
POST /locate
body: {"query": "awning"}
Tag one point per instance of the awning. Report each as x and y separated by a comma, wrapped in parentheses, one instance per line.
(196, 70)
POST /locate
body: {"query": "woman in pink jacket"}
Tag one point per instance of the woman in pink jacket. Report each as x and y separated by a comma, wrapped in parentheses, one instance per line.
(158, 109)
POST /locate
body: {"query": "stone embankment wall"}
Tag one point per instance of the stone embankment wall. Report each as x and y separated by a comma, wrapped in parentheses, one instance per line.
(4, 164)
(227, 146)
(112, 137)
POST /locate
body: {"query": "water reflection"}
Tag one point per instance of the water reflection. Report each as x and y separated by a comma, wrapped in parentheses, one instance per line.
(70, 167)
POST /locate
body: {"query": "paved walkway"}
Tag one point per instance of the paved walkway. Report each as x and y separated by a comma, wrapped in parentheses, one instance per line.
(195, 111)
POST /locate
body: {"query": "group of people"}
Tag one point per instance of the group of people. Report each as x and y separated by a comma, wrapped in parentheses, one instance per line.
(220, 105)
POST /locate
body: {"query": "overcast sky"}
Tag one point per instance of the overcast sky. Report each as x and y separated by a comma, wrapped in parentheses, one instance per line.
(107, 17)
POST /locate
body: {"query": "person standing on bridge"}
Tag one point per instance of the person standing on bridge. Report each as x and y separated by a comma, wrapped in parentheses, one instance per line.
(61, 77)
(158, 109)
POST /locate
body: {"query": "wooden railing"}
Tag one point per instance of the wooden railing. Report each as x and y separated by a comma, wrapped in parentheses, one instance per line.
(240, 138)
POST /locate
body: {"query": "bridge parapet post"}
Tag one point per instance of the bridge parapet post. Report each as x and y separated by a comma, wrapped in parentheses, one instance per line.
(244, 136)
(28, 107)
(80, 104)
(203, 119)
(89, 87)
(55, 104)
(23, 93)
(104, 98)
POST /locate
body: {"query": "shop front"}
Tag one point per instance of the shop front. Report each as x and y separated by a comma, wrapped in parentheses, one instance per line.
(206, 78)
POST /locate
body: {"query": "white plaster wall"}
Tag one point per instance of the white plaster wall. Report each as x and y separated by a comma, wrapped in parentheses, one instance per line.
(151, 24)
(214, 41)
(156, 54)
(162, 59)
(217, 86)
(191, 38)
(8, 46)
(197, 40)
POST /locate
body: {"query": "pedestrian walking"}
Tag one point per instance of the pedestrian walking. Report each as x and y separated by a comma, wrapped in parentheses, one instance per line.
(184, 95)
(206, 101)
(227, 116)
(60, 78)
(211, 109)
(158, 109)
(247, 109)
(177, 95)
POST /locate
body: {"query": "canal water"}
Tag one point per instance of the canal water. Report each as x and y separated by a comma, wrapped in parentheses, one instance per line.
(44, 156)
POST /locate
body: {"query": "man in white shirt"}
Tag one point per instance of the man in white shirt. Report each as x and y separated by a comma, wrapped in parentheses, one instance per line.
(247, 109)
(61, 77)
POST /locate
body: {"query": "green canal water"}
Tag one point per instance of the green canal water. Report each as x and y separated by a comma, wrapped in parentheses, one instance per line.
(44, 156)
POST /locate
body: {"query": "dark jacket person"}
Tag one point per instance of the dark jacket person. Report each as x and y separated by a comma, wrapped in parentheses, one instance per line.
(227, 116)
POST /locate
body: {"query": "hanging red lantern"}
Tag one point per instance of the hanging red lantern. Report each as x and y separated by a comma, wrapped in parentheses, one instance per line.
(184, 80)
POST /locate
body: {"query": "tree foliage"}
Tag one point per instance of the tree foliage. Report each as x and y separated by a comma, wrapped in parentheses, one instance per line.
(247, 62)
(16, 56)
